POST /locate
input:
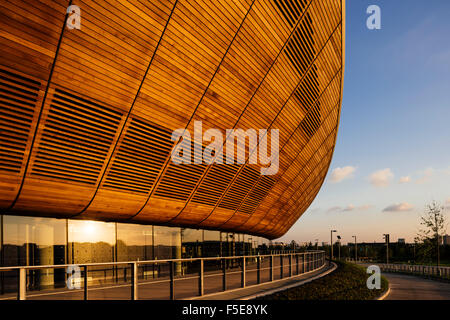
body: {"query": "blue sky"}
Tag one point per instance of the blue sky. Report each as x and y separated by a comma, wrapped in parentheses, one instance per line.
(393, 149)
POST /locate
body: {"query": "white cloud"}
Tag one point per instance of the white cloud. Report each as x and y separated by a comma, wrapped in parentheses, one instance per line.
(406, 179)
(350, 207)
(340, 174)
(381, 178)
(426, 176)
(334, 209)
(399, 207)
(365, 207)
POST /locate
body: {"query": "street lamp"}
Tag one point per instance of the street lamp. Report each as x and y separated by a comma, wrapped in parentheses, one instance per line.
(386, 237)
(331, 243)
(356, 250)
(339, 241)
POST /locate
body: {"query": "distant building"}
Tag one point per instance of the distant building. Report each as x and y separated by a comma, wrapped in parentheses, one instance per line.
(401, 241)
(446, 239)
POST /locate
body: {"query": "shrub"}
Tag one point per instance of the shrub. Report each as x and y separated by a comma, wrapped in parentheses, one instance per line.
(348, 282)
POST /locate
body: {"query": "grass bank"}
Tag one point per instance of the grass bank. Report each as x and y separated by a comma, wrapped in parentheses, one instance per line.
(348, 282)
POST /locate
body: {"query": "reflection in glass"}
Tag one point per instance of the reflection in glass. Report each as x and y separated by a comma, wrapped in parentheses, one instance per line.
(91, 241)
(211, 243)
(167, 242)
(30, 241)
(134, 242)
(191, 240)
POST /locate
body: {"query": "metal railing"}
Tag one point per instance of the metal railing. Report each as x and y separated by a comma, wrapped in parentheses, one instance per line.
(435, 271)
(297, 264)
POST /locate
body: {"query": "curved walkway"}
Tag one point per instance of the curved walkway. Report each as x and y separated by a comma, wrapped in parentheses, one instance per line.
(268, 288)
(406, 287)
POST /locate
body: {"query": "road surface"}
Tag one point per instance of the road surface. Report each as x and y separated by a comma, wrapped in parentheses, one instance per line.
(405, 287)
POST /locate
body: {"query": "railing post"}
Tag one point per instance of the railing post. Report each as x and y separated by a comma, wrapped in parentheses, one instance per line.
(243, 273)
(290, 265)
(304, 262)
(22, 284)
(85, 284)
(224, 276)
(271, 268)
(201, 283)
(314, 260)
(281, 266)
(134, 280)
(171, 275)
(258, 270)
(296, 263)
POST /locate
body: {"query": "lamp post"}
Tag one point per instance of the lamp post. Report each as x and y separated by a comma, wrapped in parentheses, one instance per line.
(331, 243)
(339, 247)
(356, 249)
(386, 237)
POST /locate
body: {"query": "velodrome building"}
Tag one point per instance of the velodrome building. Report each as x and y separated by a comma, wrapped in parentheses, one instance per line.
(91, 92)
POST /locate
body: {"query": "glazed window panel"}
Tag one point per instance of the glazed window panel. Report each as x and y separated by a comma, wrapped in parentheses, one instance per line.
(134, 242)
(167, 242)
(30, 241)
(91, 241)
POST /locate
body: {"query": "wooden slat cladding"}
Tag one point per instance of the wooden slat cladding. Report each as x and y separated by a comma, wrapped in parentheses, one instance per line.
(291, 9)
(215, 183)
(76, 139)
(18, 97)
(137, 70)
(244, 181)
(257, 194)
(180, 179)
(139, 159)
(29, 33)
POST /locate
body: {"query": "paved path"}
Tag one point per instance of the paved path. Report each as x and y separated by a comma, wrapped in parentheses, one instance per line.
(406, 287)
(184, 287)
(270, 287)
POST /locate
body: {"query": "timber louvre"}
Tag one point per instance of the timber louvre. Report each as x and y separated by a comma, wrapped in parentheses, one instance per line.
(99, 69)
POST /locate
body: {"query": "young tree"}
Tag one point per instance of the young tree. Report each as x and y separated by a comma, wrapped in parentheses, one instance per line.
(433, 225)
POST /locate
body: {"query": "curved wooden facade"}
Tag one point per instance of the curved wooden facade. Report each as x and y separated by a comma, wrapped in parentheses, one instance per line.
(86, 116)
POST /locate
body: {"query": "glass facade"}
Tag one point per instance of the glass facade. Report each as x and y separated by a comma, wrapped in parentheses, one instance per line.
(134, 242)
(31, 241)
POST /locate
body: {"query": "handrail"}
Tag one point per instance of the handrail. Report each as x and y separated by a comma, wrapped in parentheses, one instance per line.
(312, 261)
(139, 262)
